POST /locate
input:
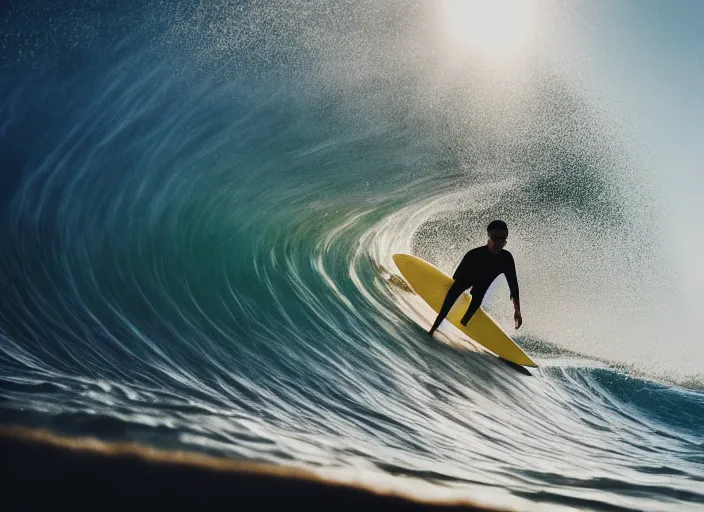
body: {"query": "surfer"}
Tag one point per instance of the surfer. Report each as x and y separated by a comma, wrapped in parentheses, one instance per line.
(477, 270)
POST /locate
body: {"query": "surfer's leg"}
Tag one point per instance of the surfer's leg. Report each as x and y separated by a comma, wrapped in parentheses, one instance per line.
(452, 294)
(473, 307)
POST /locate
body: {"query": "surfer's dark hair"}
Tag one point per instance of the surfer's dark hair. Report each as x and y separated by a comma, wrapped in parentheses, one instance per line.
(496, 225)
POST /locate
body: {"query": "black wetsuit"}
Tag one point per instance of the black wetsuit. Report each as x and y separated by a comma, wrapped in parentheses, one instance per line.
(477, 271)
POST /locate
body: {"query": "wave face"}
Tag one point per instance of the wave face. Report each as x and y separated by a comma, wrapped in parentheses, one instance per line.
(199, 208)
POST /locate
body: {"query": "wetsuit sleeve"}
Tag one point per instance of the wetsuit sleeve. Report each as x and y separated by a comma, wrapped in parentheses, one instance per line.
(511, 278)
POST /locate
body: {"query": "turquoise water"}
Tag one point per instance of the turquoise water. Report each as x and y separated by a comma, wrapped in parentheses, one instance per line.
(199, 207)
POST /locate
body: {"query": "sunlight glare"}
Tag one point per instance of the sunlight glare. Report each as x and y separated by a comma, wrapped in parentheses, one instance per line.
(490, 26)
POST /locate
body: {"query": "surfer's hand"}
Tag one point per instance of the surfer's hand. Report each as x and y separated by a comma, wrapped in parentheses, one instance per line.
(518, 318)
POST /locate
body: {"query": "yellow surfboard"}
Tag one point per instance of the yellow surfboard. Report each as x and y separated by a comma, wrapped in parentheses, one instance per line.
(431, 284)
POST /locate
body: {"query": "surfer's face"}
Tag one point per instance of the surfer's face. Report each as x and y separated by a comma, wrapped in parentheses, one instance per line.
(497, 240)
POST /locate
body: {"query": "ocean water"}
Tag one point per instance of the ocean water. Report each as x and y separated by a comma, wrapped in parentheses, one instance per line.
(199, 206)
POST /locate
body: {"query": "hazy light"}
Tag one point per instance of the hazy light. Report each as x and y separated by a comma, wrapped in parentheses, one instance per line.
(493, 27)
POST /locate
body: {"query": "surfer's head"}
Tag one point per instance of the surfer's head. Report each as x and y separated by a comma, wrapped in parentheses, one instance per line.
(497, 230)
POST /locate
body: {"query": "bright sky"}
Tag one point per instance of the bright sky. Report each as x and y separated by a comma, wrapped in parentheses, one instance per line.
(642, 61)
(647, 59)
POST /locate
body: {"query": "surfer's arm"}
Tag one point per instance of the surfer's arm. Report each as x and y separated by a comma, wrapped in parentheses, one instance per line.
(512, 281)
(513, 287)
(517, 317)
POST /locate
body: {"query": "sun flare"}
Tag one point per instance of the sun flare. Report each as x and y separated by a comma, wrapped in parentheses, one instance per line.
(490, 26)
